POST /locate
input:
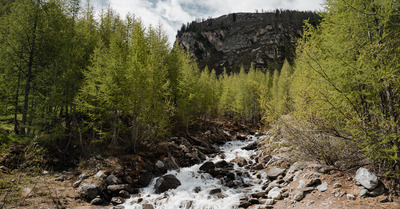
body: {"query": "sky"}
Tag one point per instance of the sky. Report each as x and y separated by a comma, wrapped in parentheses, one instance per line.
(173, 13)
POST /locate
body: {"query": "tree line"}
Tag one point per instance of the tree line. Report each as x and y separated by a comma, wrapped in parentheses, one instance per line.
(83, 82)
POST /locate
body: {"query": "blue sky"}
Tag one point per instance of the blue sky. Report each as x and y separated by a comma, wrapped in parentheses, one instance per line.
(173, 13)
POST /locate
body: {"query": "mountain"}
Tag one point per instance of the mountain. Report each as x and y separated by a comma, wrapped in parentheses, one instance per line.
(230, 41)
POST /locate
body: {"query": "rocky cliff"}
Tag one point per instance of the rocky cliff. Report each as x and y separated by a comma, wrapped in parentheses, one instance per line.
(230, 41)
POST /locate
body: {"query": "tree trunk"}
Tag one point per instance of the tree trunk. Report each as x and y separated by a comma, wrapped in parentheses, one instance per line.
(29, 73)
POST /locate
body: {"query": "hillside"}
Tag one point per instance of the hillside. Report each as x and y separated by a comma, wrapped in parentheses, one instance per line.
(262, 39)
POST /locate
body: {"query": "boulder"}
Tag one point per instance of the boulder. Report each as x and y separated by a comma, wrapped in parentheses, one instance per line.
(207, 167)
(258, 195)
(111, 180)
(270, 201)
(166, 183)
(159, 168)
(145, 178)
(275, 194)
(124, 194)
(97, 201)
(273, 173)
(88, 191)
(170, 163)
(366, 178)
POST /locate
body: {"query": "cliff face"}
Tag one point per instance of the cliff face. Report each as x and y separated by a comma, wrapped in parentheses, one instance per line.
(230, 41)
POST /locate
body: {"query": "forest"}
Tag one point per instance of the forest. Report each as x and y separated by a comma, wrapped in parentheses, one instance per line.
(80, 83)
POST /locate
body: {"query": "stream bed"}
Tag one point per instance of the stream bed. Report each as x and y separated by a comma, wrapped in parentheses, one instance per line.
(200, 190)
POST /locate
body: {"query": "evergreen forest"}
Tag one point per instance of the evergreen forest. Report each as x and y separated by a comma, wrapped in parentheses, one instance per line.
(79, 83)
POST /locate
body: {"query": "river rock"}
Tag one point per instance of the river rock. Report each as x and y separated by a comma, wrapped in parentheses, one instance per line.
(275, 194)
(258, 195)
(273, 173)
(124, 194)
(295, 167)
(97, 201)
(366, 178)
(111, 180)
(159, 168)
(240, 161)
(166, 183)
(89, 191)
(115, 189)
(251, 146)
(145, 178)
(322, 187)
(117, 200)
(207, 167)
(215, 191)
(170, 163)
(147, 206)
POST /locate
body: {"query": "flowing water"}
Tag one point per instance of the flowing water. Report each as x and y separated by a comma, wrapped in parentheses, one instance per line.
(186, 196)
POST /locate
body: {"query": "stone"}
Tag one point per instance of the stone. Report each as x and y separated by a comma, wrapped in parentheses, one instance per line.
(89, 191)
(115, 189)
(147, 206)
(97, 201)
(159, 168)
(259, 166)
(350, 197)
(117, 200)
(366, 178)
(77, 183)
(240, 161)
(299, 196)
(145, 178)
(295, 167)
(322, 187)
(384, 199)
(286, 194)
(301, 184)
(275, 193)
(251, 146)
(166, 183)
(215, 191)
(258, 195)
(124, 194)
(83, 176)
(379, 190)
(308, 189)
(337, 185)
(27, 192)
(100, 175)
(273, 173)
(363, 192)
(314, 182)
(111, 180)
(170, 164)
(207, 167)
(310, 203)
(197, 189)
(270, 201)
(271, 186)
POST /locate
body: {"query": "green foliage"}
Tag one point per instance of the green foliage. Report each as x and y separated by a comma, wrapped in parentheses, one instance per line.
(347, 75)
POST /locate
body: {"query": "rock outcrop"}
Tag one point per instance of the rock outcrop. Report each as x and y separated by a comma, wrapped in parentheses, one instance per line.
(230, 41)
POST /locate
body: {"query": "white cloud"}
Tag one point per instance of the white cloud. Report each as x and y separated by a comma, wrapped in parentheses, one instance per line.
(173, 13)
